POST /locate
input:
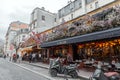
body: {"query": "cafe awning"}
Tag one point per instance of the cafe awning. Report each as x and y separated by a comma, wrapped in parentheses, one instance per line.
(27, 49)
(110, 33)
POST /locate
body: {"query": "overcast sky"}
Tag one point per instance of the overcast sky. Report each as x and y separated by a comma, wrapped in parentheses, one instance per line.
(20, 10)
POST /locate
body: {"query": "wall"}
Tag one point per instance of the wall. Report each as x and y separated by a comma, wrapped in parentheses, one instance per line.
(91, 6)
(36, 22)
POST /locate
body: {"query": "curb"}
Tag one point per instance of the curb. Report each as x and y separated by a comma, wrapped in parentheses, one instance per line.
(48, 68)
(39, 66)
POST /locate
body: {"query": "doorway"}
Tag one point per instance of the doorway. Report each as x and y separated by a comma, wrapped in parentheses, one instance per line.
(75, 54)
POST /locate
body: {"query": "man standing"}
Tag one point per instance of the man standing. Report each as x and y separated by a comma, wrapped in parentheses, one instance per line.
(33, 57)
(30, 57)
(69, 59)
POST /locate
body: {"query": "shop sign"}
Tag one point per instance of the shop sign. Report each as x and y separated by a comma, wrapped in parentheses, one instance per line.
(62, 42)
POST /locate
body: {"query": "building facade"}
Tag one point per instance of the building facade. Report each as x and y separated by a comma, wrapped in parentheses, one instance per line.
(85, 28)
(78, 8)
(11, 38)
(94, 35)
(42, 20)
(21, 36)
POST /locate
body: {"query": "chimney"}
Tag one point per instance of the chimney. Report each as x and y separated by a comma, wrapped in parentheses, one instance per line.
(43, 8)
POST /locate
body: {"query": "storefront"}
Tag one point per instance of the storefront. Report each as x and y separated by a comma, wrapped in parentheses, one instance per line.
(100, 50)
(97, 44)
(26, 50)
(60, 51)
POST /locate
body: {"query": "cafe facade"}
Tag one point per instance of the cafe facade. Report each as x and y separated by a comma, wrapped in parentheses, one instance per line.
(95, 35)
(99, 45)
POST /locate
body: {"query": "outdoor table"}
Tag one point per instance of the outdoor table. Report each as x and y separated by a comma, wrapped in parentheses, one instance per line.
(89, 65)
(77, 61)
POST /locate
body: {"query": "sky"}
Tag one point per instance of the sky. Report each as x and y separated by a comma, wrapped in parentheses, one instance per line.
(20, 10)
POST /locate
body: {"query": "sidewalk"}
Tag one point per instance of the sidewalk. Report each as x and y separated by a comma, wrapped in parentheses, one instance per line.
(81, 73)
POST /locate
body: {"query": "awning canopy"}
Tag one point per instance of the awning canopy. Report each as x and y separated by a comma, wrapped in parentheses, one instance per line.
(110, 33)
(27, 49)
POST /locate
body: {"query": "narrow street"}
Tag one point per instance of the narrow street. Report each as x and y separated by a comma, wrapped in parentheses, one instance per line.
(9, 71)
(22, 71)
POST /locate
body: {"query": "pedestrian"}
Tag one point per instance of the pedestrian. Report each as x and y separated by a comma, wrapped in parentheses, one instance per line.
(33, 57)
(39, 57)
(10, 58)
(4, 56)
(19, 58)
(69, 59)
(14, 57)
(30, 57)
(65, 59)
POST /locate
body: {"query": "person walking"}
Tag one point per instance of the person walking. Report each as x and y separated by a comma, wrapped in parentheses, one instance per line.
(33, 57)
(39, 57)
(14, 57)
(4, 56)
(30, 57)
(10, 58)
(69, 59)
(19, 58)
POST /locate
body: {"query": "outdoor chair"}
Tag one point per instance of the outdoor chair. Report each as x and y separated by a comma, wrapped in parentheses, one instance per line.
(117, 65)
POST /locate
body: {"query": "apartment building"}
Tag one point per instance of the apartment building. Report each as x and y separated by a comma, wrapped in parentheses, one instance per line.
(13, 37)
(78, 8)
(42, 20)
